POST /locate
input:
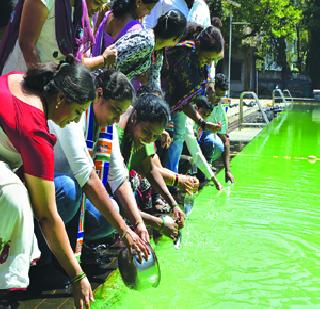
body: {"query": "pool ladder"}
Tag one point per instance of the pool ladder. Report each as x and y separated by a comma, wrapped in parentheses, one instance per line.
(285, 96)
(241, 123)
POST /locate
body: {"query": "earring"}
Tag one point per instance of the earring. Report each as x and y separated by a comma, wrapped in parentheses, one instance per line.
(57, 105)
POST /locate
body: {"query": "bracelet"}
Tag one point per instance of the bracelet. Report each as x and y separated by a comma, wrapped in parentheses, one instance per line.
(163, 221)
(125, 233)
(78, 277)
(173, 180)
(104, 60)
(202, 124)
(137, 223)
(176, 182)
(175, 204)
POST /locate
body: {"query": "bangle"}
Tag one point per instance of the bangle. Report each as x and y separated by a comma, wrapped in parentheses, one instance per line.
(104, 60)
(78, 277)
(176, 182)
(175, 204)
(125, 233)
(202, 123)
(173, 180)
(137, 223)
(163, 221)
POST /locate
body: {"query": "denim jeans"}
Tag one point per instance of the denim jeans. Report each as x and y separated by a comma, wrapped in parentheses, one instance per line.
(211, 146)
(175, 149)
(69, 197)
(95, 225)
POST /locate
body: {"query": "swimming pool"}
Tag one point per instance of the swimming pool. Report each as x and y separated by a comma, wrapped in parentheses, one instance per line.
(256, 244)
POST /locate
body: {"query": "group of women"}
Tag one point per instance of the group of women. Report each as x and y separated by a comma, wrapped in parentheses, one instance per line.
(80, 106)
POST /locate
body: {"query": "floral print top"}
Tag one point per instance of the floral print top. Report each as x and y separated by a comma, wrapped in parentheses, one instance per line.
(181, 73)
(134, 52)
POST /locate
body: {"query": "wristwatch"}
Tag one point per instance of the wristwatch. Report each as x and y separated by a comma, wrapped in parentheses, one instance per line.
(202, 123)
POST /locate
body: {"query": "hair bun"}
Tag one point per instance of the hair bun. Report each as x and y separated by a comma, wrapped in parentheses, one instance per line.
(216, 22)
(70, 59)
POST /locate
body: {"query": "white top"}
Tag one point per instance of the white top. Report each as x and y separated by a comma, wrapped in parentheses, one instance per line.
(72, 156)
(162, 7)
(195, 150)
(46, 44)
(200, 14)
(8, 153)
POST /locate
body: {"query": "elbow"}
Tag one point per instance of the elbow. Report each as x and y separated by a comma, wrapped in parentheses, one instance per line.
(49, 220)
(26, 46)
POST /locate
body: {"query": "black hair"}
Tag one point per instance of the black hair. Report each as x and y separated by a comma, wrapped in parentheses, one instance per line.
(69, 77)
(114, 84)
(202, 102)
(148, 89)
(151, 108)
(122, 7)
(207, 39)
(216, 22)
(221, 82)
(170, 25)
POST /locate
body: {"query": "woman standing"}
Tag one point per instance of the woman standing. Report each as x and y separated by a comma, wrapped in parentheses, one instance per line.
(61, 94)
(184, 77)
(47, 30)
(138, 50)
(122, 18)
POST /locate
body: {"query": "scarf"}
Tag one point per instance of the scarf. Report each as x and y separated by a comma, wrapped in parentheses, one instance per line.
(100, 154)
(74, 36)
(200, 89)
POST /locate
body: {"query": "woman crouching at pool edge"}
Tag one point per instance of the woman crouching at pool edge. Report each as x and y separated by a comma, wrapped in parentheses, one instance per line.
(138, 129)
(61, 94)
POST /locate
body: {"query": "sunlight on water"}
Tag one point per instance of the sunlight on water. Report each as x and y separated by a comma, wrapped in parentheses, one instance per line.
(256, 244)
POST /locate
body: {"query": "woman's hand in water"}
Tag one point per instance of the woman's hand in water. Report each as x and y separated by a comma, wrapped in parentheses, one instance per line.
(229, 177)
(142, 231)
(135, 244)
(178, 216)
(169, 227)
(189, 184)
(82, 293)
(110, 56)
(216, 183)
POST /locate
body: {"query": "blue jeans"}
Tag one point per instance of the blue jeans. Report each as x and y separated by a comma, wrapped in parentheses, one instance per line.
(211, 146)
(175, 149)
(69, 197)
(95, 225)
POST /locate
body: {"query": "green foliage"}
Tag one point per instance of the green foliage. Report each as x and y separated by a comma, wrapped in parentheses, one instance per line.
(269, 21)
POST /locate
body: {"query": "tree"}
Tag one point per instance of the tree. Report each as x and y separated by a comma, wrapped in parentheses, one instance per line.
(312, 20)
(274, 21)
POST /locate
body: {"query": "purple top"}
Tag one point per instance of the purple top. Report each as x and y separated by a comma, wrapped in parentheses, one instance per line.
(103, 39)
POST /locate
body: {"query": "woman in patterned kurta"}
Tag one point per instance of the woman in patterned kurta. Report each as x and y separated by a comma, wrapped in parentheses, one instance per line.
(135, 49)
(183, 78)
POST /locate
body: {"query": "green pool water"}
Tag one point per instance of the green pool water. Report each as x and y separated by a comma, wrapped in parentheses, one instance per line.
(256, 244)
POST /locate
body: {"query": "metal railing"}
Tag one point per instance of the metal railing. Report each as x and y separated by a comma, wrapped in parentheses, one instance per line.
(241, 123)
(284, 96)
(287, 95)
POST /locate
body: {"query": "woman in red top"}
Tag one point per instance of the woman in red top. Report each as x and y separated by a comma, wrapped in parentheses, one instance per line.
(61, 94)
